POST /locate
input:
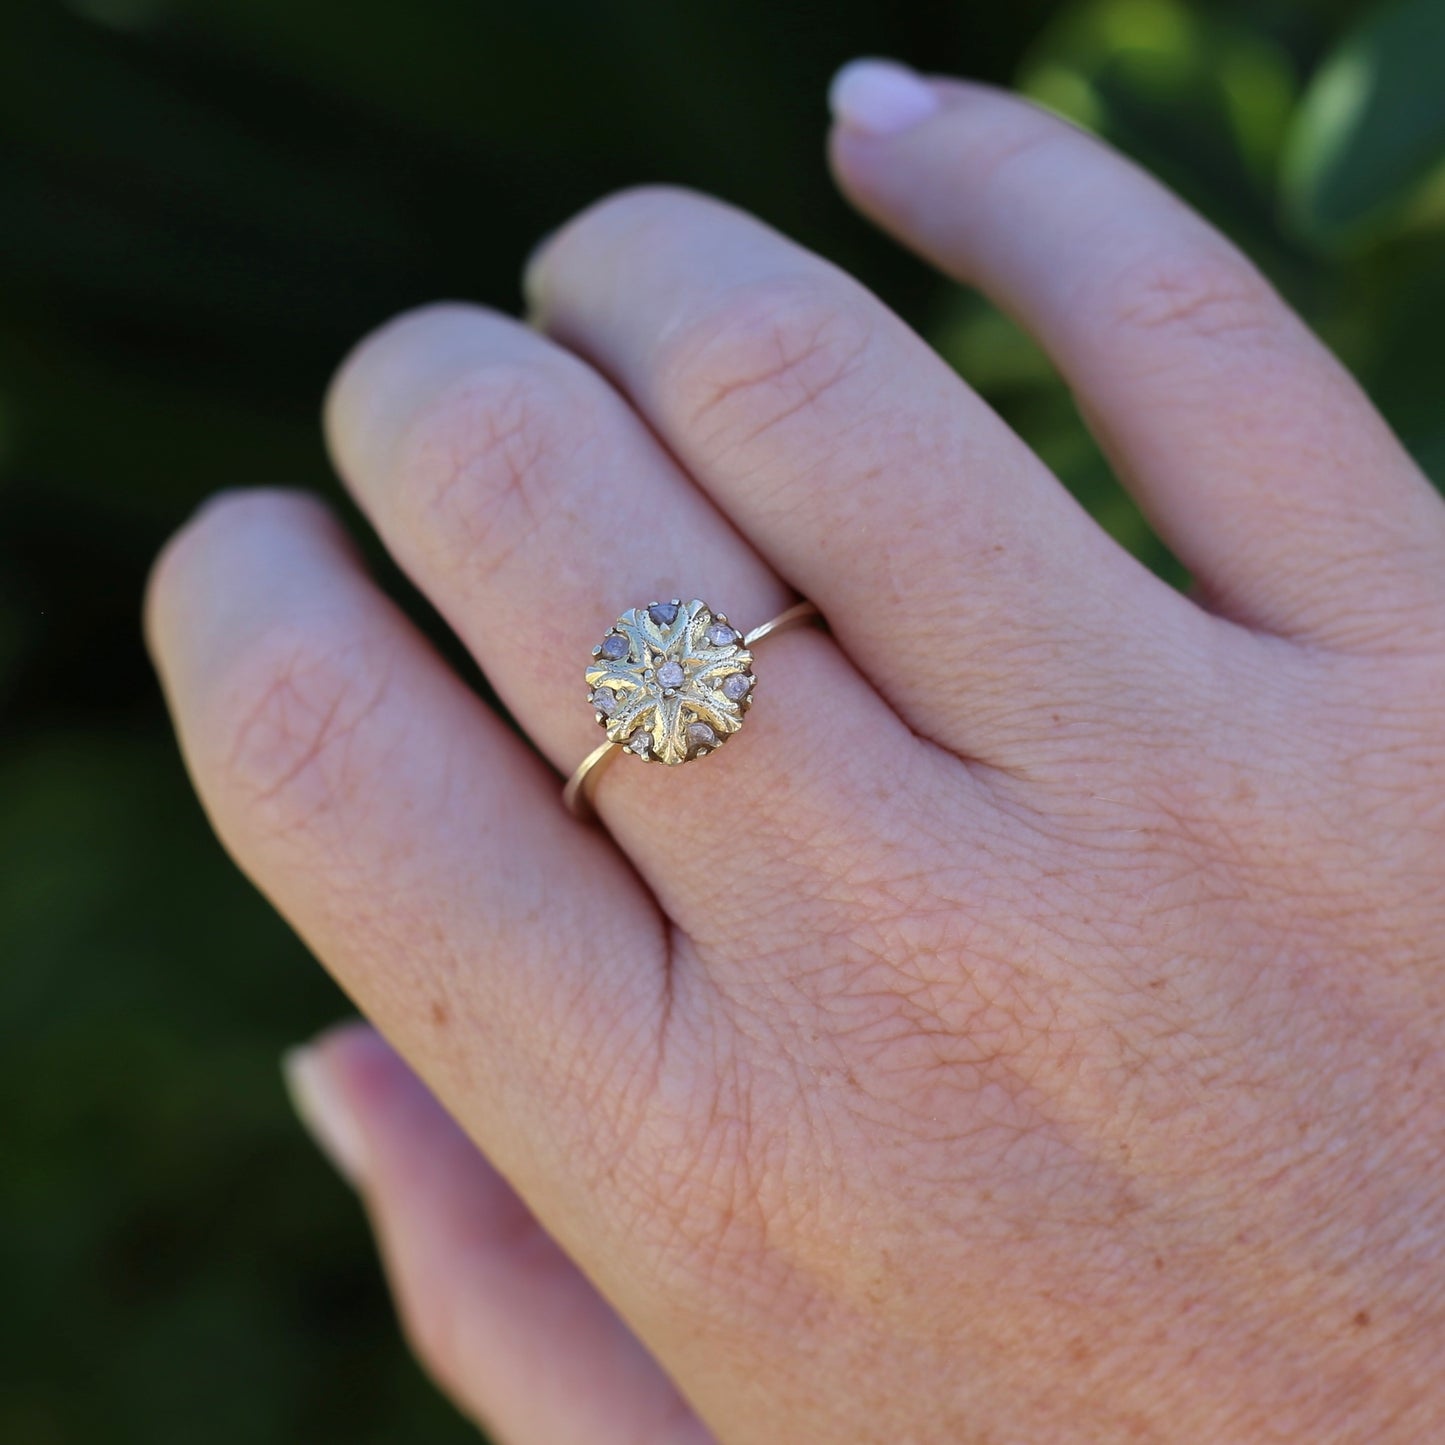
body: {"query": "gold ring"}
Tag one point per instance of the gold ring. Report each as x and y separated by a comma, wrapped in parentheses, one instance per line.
(670, 683)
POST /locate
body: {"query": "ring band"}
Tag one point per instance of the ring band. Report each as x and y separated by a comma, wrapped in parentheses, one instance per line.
(671, 682)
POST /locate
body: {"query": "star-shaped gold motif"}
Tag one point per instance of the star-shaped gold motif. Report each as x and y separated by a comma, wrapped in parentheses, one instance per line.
(671, 681)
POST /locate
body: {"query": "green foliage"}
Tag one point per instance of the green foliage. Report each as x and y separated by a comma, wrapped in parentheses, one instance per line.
(1367, 140)
(1224, 104)
(202, 204)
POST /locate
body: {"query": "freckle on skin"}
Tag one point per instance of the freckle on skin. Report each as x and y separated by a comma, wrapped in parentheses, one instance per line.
(1158, 1261)
(439, 1015)
(1362, 1319)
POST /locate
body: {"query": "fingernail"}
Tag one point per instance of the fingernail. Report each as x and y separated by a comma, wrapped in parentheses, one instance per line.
(532, 273)
(322, 1107)
(880, 97)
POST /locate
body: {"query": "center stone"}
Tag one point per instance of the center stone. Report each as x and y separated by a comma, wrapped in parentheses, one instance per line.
(670, 674)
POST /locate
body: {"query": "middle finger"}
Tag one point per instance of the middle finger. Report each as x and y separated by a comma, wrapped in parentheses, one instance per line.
(987, 604)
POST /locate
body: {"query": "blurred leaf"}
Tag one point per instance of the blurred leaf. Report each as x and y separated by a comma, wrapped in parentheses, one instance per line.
(1201, 98)
(171, 1239)
(988, 348)
(1370, 132)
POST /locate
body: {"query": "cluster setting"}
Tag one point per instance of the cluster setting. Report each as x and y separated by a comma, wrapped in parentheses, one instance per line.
(671, 681)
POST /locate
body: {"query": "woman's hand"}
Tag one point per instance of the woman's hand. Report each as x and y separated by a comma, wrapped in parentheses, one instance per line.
(1029, 1030)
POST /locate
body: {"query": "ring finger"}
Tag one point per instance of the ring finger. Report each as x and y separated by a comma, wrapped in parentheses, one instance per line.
(533, 507)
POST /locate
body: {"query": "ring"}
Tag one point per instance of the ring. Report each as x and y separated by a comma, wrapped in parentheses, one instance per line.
(670, 683)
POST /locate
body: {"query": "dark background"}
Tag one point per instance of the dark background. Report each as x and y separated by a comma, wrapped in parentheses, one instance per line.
(203, 203)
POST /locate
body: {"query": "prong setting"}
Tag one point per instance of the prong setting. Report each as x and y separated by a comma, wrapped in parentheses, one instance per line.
(671, 681)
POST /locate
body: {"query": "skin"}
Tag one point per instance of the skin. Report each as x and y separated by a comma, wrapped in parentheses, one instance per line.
(1028, 1030)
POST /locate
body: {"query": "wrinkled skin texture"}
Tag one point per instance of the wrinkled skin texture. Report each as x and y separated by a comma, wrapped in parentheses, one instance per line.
(1028, 1029)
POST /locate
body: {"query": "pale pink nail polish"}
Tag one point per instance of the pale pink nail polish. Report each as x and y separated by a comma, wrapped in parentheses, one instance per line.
(880, 97)
(322, 1107)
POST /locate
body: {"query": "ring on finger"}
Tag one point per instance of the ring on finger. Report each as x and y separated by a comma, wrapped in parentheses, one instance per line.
(670, 683)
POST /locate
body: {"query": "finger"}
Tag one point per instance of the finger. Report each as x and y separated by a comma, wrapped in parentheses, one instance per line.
(533, 507)
(411, 838)
(953, 567)
(494, 1309)
(1251, 449)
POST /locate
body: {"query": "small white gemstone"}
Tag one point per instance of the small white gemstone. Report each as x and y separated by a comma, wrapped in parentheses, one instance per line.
(640, 743)
(614, 647)
(720, 634)
(701, 735)
(604, 701)
(736, 686)
(670, 674)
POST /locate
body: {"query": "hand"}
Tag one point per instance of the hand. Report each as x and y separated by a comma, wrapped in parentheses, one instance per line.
(1028, 1030)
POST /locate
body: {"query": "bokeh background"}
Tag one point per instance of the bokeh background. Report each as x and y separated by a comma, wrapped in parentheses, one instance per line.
(202, 204)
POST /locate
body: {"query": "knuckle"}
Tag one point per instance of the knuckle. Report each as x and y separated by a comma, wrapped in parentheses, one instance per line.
(634, 210)
(1205, 297)
(638, 222)
(777, 351)
(697, 1168)
(1022, 136)
(478, 468)
(218, 522)
(301, 741)
(709, 1189)
(246, 508)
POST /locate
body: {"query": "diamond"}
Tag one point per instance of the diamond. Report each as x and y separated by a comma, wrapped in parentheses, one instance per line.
(736, 686)
(614, 647)
(720, 634)
(663, 613)
(640, 743)
(605, 702)
(701, 735)
(670, 674)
